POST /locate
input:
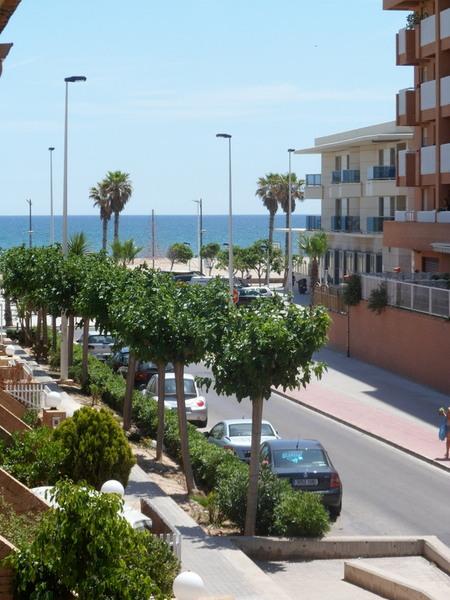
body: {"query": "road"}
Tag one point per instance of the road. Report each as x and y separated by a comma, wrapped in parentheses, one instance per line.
(386, 491)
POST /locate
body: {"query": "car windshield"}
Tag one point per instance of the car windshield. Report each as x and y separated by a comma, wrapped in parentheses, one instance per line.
(147, 366)
(299, 458)
(189, 388)
(109, 339)
(97, 339)
(245, 430)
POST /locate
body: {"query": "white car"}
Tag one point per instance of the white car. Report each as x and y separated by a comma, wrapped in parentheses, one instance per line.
(236, 435)
(135, 518)
(99, 344)
(196, 405)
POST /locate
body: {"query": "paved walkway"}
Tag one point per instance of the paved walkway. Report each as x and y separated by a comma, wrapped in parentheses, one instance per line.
(384, 405)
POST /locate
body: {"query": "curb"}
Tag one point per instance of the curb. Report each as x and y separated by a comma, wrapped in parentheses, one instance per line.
(380, 438)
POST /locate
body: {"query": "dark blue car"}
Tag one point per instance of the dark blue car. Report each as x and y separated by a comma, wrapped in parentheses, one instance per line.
(307, 466)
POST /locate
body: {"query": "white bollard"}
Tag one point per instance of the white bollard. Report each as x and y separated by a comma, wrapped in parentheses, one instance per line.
(188, 586)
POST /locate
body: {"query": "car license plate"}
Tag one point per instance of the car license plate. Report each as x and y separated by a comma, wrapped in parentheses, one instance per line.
(309, 482)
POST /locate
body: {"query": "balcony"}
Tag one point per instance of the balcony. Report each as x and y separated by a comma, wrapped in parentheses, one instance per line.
(346, 176)
(313, 222)
(427, 35)
(313, 180)
(445, 28)
(406, 175)
(345, 224)
(417, 230)
(428, 160)
(406, 107)
(376, 224)
(381, 172)
(427, 100)
(313, 187)
(406, 47)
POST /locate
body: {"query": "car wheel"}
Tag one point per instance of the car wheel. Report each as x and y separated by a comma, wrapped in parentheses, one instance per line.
(335, 511)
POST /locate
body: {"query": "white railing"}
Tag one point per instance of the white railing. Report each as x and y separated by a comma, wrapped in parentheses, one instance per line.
(422, 216)
(443, 216)
(427, 160)
(445, 91)
(445, 158)
(428, 30)
(426, 216)
(402, 163)
(445, 23)
(402, 101)
(30, 393)
(411, 296)
(173, 540)
(428, 95)
(402, 41)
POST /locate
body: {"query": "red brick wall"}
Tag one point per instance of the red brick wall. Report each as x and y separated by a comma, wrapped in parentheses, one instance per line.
(6, 575)
(13, 405)
(18, 495)
(411, 344)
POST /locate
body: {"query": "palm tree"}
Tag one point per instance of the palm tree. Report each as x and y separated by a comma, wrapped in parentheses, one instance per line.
(118, 189)
(265, 191)
(125, 252)
(78, 244)
(314, 246)
(99, 196)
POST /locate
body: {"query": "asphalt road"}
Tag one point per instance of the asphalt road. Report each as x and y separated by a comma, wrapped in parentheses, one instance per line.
(386, 491)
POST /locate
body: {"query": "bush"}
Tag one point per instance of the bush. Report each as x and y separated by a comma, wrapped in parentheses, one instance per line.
(301, 514)
(378, 298)
(18, 529)
(97, 448)
(85, 547)
(34, 457)
(31, 417)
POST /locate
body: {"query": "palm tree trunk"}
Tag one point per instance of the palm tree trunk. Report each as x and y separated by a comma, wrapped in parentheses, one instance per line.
(269, 250)
(127, 402)
(8, 312)
(105, 234)
(116, 226)
(161, 395)
(252, 493)
(71, 330)
(314, 278)
(84, 363)
(182, 426)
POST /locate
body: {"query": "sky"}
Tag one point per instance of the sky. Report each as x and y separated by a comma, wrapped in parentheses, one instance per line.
(164, 77)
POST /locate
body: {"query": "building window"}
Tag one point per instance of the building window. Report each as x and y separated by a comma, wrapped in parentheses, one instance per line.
(392, 157)
(401, 203)
(430, 264)
(379, 263)
(381, 206)
(380, 158)
(337, 163)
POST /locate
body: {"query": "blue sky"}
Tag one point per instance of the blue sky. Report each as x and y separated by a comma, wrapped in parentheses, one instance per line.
(164, 77)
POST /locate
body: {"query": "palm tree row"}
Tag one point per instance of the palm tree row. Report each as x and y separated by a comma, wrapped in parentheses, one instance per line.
(111, 195)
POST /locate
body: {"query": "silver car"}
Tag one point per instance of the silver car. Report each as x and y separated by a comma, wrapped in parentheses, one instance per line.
(236, 435)
(99, 344)
(196, 405)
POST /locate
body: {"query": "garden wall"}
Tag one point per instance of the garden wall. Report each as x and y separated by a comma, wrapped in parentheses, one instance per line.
(6, 575)
(408, 343)
(18, 495)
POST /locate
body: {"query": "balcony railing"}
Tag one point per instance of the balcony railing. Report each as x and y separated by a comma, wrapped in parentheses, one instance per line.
(345, 224)
(428, 30)
(346, 176)
(381, 172)
(336, 177)
(376, 224)
(313, 180)
(445, 23)
(313, 222)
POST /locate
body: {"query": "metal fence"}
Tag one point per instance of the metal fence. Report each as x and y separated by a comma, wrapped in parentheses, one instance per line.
(412, 296)
(173, 540)
(330, 297)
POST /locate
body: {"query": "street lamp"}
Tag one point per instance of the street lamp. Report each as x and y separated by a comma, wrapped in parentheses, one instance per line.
(52, 218)
(289, 256)
(227, 136)
(30, 228)
(64, 336)
(200, 232)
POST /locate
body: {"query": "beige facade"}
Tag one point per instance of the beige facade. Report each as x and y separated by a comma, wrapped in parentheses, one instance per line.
(357, 187)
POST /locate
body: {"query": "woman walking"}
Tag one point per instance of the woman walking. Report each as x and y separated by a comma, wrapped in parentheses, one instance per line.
(444, 429)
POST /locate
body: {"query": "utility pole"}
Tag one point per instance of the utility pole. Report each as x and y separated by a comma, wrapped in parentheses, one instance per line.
(30, 228)
(153, 238)
(200, 233)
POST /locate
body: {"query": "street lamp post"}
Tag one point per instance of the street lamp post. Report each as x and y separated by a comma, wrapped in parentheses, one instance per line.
(289, 215)
(64, 333)
(52, 217)
(200, 232)
(30, 228)
(227, 136)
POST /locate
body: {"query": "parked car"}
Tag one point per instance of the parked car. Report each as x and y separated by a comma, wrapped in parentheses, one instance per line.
(196, 405)
(248, 294)
(144, 369)
(307, 466)
(99, 344)
(135, 518)
(186, 277)
(236, 435)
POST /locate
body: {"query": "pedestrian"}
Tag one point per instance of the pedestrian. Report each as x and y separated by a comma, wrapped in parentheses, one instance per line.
(444, 429)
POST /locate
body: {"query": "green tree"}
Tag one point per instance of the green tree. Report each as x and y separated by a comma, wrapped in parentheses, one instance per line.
(97, 449)
(314, 246)
(210, 253)
(269, 345)
(85, 547)
(98, 194)
(179, 252)
(118, 189)
(266, 191)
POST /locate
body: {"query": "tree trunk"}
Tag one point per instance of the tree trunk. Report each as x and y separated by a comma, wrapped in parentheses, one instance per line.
(286, 250)
(54, 334)
(37, 339)
(127, 402)
(70, 334)
(182, 426)
(252, 493)
(314, 278)
(161, 395)
(84, 364)
(269, 250)
(105, 233)
(44, 329)
(28, 332)
(116, 226)
(8, 312)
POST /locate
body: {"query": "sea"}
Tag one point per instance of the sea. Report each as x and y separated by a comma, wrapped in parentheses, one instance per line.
(14, 230)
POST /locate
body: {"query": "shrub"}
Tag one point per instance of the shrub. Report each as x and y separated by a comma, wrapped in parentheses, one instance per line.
(301, 514)
(18, 529)
(97, 448)
(31, 417)
(352, 290)
(87, 548)
(34, 457)
(378, 298)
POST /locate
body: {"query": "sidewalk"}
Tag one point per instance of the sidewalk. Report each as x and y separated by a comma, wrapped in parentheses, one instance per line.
(383, 405)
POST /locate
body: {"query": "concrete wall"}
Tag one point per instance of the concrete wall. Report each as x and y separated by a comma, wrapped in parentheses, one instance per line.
(18, 495)
(408, 343)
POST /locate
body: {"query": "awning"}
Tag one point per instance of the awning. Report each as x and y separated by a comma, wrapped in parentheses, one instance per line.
(442, 247)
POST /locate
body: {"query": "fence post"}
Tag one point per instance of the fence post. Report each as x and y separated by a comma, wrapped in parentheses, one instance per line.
(412, 295)
(430, 304)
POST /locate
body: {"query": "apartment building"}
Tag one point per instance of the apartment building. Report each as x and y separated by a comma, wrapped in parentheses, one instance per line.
(359, 194)
(7, 7)
(424, 168)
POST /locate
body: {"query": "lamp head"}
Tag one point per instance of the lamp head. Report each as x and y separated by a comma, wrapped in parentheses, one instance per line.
(291, 150)
(51, 148)
(74, 78)
(53, 400)
(9, 350)
(223, 135)
(112, 486)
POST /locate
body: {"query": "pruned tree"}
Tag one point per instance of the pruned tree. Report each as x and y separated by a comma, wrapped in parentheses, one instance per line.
(179, 252)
